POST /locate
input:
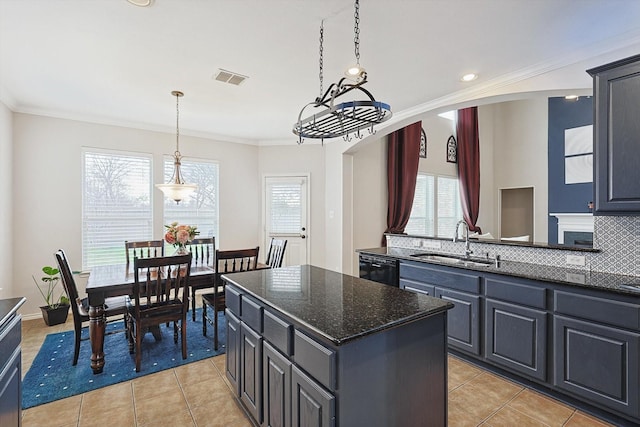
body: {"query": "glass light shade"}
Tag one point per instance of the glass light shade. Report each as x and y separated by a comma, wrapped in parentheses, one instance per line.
(355, 72)
(177, 192)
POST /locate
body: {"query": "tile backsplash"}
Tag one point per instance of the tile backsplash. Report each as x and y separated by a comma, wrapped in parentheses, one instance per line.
(617, 238)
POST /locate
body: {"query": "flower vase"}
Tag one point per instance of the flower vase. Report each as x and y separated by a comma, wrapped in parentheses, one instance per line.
(181, 250)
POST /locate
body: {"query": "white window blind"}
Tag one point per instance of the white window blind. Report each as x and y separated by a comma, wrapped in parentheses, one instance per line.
(422, 219)
(285, 208)
(449, 206)
(201, 208)
(436, 206)
(116, 205)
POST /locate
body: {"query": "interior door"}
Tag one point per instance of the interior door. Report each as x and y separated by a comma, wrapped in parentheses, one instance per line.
(285, 216)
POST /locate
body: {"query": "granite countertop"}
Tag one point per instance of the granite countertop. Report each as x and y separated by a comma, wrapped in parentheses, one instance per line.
(8, 307)
(336, 306)
(589, 279)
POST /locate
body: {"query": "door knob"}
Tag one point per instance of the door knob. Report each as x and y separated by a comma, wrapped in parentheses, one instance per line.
(303, 236)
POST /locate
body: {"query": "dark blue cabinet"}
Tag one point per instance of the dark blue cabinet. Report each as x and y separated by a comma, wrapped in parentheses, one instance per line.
(598, 363)
(616, 90)
(583, 343)
(460, 287)
(516, 338)
(10, 373)
(312, 405)
(233, 351)
(251, 368)
(463, 320)
(277, 387)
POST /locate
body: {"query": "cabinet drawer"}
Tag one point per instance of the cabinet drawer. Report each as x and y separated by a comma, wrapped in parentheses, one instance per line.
(610, 312)
(278, 332)
(232, 299)
(517, 292)
(411, 285)
(316, 359)
(10, 337)
(251, 313)
(440, 276)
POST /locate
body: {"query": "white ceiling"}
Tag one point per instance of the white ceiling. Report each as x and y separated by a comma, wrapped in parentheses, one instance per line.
(108, 61)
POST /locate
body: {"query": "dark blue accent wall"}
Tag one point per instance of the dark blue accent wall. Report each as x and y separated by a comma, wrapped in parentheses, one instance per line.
(566, 198)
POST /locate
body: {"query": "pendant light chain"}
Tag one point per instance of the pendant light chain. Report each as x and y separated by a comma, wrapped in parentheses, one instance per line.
(321, 55)
(356, 31)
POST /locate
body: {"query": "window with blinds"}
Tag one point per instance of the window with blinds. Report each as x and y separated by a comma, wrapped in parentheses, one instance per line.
(116, 205)
(285, 207)
(436, 206)
(201, 208)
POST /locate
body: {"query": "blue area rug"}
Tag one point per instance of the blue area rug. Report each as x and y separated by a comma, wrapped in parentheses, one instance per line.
(51, 376)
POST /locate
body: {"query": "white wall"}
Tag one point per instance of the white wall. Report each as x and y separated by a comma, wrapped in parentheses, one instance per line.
(438, 131)
(6, 212)
(520, 131)
(370, 196)
(301, 159)
(47, 189)
(334, 206)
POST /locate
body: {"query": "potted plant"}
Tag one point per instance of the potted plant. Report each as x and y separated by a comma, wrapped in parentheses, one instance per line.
(56, 310)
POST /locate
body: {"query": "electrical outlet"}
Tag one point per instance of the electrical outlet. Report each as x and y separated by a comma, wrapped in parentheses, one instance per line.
(432, 244)
(577, 260)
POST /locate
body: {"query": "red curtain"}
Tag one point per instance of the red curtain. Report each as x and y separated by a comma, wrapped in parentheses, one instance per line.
(403, 150)
(469, 165)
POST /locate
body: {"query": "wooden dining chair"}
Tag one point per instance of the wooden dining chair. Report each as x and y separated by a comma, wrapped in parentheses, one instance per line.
(114, 306)
(230, 261)
(143, 249)
(276, 252)
(160, 292)
(204, 253)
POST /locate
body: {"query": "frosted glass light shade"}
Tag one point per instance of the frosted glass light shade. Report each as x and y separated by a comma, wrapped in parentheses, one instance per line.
(177, 192)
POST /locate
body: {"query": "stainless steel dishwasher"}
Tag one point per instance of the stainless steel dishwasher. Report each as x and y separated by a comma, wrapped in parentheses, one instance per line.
(379, 269)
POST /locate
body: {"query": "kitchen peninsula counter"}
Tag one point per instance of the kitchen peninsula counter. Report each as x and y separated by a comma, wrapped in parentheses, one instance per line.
(618, 283)
(347, 350)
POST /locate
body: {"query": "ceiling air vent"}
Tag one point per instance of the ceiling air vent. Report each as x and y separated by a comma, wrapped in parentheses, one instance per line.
(229, 77)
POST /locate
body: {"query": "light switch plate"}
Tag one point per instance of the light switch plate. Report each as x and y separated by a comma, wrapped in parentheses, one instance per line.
(577, 260)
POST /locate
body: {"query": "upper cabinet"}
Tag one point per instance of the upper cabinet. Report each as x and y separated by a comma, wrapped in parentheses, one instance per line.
(616, 89)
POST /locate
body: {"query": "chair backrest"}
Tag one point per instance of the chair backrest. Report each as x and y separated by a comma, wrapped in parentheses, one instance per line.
(231, 261)
(144, 249)
(161, 279)
(203, 250)
(69, 283)
(276, 252)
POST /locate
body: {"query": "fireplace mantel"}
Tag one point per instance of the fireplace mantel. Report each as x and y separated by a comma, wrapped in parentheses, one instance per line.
(573, 222)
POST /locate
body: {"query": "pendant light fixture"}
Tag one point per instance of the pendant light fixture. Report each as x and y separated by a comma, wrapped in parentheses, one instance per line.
(333, 119)
(176, 189)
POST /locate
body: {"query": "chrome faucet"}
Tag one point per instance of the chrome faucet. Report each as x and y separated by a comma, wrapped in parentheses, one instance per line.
(467, 244)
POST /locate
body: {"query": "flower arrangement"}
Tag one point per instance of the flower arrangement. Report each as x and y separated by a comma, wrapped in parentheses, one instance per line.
(180, 235)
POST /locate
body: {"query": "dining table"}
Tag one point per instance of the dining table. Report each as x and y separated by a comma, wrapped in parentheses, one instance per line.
(116, 280)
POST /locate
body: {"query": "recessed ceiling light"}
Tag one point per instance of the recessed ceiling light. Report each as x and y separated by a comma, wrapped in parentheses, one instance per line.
(469, 77)
(141, 3)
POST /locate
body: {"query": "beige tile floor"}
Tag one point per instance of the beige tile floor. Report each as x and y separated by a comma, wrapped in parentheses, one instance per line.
(198, 394)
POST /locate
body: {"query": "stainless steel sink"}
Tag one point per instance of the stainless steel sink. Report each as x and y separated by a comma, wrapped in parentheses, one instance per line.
(454, 260)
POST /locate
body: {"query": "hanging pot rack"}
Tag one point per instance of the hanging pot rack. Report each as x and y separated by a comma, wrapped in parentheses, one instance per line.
(344, 118)
(335, 120)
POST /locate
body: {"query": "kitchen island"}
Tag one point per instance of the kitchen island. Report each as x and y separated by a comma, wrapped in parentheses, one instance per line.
(309, 346)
